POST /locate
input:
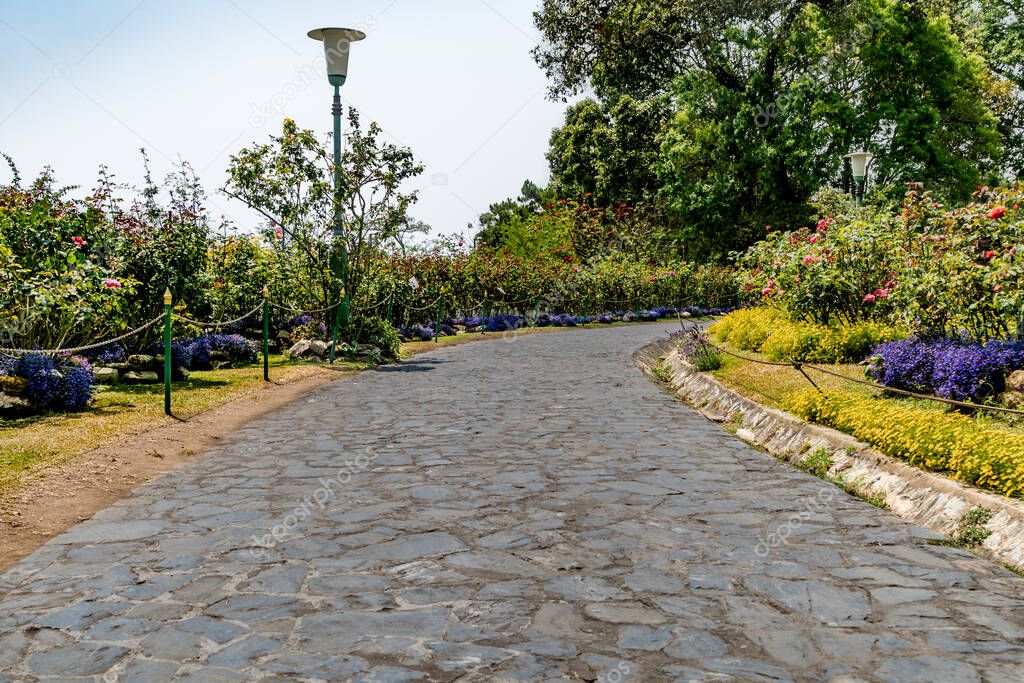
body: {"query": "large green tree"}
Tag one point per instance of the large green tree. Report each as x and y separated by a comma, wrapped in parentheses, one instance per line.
(609, 150)
(766, 97)
(995, 29)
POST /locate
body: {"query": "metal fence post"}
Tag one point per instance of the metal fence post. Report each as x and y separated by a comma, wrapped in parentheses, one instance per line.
(337, 328)
(437, 320)
(483, 319)
(266, 333)
(168, 301)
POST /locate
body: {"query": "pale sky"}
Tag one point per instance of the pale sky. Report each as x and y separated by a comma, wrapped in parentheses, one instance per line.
(87, 83)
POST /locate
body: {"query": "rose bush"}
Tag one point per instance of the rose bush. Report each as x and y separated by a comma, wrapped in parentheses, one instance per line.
(937, 270)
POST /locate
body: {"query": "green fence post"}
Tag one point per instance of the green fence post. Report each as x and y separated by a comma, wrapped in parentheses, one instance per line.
(437, 320)
(168, 301)
(483, 318)
(334, 335)
(266, 333)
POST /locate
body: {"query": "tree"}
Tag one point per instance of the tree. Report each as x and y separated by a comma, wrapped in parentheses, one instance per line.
(995, 29)
(289, 180)
(609, 150)
(640, 46)
(767, 96)
(496, 223)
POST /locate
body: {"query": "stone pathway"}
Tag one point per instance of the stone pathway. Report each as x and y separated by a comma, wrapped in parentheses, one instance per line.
(531, 510)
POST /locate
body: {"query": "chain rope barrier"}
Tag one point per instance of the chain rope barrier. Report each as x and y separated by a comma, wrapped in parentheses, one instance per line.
(298, 312)
(88, 347)
(227, 323)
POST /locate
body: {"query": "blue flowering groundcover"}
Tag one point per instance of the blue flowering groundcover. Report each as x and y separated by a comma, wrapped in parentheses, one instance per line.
(957, 369)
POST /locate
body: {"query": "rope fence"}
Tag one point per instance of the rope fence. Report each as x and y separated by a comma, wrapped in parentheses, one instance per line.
(88, 347)
(218, 325)
(701, 338)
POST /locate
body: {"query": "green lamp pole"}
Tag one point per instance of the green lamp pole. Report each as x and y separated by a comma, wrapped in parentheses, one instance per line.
(337, 49)
(859, 163)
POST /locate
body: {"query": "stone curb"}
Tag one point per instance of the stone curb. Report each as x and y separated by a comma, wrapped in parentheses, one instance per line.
(927, 499)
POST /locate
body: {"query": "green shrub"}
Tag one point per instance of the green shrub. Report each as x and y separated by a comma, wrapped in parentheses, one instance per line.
(771, 332)
(376, 331)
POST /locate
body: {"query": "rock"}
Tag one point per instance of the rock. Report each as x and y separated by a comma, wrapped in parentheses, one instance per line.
(219, 356)
(1013, 399)
(8, 402)
(140, 377)
(319, 348)
(300, 350)
(141, 361)
(106, 375)
(13, 386)
(1015, 382)
(180, 374)
(117, 366)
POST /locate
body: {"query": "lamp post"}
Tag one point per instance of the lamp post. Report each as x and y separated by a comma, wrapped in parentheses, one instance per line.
(337, 47)
(859, 162)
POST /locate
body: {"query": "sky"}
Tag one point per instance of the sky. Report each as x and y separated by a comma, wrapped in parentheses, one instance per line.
(89, 83)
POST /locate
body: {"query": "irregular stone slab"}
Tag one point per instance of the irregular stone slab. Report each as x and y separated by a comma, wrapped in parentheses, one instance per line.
(624, 613)
(412, 547)
(77, 659)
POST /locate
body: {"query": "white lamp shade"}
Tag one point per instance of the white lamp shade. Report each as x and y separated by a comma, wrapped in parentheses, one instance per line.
(859, 161)
(337, 49)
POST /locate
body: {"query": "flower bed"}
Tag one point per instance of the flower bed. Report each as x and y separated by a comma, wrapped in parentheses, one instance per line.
(950, 368)
(974, 452)
(42, 382)
(773, 333)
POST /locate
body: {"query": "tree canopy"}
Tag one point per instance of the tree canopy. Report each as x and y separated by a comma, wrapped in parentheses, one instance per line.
(732, 114)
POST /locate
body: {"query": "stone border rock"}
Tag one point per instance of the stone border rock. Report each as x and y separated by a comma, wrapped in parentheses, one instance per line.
(927, 499)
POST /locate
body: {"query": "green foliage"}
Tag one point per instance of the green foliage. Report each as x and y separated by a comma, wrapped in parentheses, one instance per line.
(928, 268)
(376, 331)
(60, 267)
(311, 331)
(765, 97)
(703, 357)
(817, 463)
(971, 531)
(502, 216)
(608, 151)
(556, 281)
(773, 333)
(289, 181)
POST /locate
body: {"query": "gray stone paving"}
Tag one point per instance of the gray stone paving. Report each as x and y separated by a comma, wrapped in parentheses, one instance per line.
(533, 510)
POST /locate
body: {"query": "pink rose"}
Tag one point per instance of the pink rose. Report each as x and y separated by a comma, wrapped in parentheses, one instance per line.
(111, 283)
(870, 298)
(78, 241)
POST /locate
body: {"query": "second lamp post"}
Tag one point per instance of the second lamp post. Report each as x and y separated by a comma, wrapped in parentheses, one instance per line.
(337, 48)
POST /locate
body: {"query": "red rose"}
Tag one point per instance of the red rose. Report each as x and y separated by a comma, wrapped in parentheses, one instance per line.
(997, 213)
